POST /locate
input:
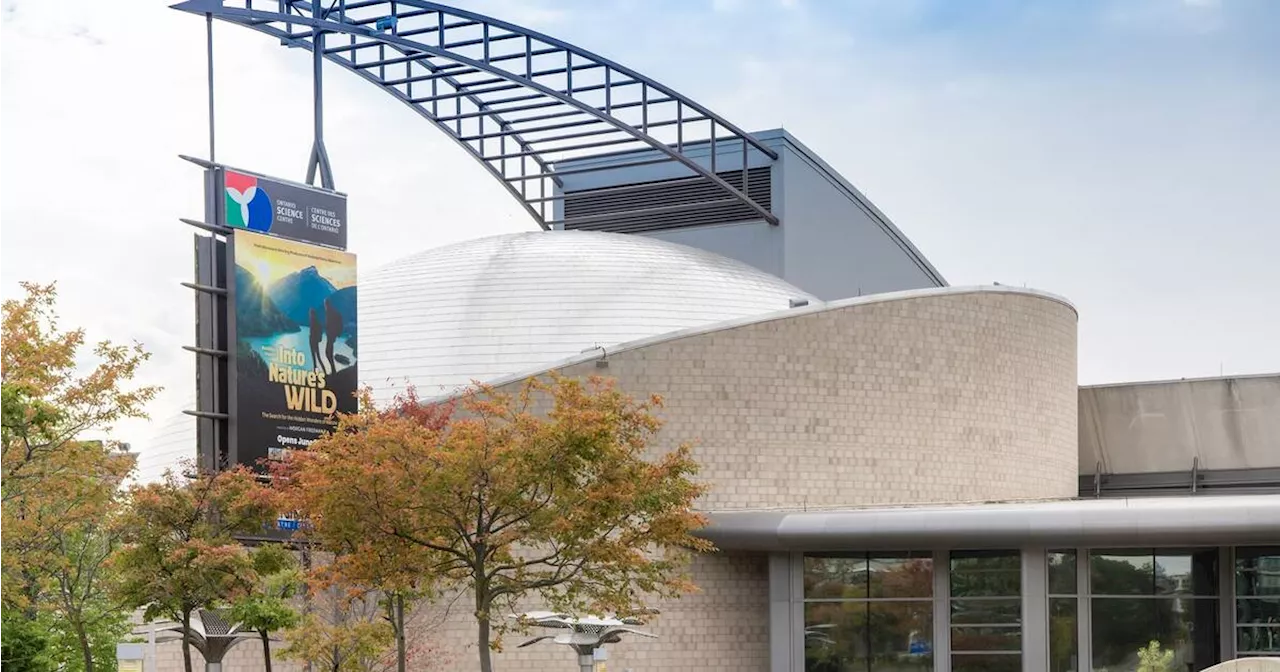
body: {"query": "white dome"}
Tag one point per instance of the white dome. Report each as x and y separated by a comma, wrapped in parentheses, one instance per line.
(510, 304)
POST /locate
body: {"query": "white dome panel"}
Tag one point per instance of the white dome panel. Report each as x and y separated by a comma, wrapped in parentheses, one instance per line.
(502, 305)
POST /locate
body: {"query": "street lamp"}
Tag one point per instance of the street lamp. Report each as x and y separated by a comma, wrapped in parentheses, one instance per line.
(210, 634)
(587, 635)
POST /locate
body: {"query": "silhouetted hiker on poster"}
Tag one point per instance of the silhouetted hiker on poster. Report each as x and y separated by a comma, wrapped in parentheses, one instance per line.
(332, 330)
(315, 336)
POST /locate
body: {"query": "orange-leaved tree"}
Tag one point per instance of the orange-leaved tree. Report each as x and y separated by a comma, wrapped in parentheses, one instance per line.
(545, 492)
(53, 480)
(180, 552)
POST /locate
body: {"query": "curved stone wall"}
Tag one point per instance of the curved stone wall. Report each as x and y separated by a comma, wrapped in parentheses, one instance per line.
(930, 396)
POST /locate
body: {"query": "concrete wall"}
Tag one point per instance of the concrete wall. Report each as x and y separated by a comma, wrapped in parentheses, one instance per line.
(1228, 423)
(950, 395)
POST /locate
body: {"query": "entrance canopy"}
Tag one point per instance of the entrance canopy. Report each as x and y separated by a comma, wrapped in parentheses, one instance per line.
(1154, 521)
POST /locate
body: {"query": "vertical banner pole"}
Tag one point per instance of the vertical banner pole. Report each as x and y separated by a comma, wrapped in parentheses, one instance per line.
(319, 156)
(208, 26)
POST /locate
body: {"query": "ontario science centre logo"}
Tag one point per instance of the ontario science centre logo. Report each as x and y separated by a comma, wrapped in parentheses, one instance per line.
(248, 205)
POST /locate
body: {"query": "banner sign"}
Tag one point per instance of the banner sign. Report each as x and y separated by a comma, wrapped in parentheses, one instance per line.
(294, 363)
(282, 209)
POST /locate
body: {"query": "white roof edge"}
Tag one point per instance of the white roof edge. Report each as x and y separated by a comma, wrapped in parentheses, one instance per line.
(818, 307)
(1172, 381)
(1152, 521)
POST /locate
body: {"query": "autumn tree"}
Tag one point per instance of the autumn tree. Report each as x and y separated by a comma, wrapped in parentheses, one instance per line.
(50, 400)
(180, 551)
(58, 486)
(545, 492)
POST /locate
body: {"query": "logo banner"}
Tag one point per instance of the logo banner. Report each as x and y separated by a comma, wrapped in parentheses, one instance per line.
(295, 344)
(282, 209)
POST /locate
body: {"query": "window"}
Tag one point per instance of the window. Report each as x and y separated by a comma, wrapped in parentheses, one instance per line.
(986, 611)
(868, 612)
(1257, 579)
(1166, 595)
(1063, 608)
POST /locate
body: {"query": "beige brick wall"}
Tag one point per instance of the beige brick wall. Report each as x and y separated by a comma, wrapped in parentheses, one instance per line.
(952, 396)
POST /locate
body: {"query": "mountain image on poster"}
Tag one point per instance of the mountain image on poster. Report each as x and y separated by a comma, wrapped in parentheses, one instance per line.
(295, 343)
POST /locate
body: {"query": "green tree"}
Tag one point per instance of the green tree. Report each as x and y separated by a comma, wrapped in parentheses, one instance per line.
(82, 617)
(505, 502)
(180, 552)
(345, 632)
(25, 646)
(268, 608)
(1152, 659)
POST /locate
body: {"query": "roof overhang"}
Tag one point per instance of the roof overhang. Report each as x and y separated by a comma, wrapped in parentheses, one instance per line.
(1155, 521)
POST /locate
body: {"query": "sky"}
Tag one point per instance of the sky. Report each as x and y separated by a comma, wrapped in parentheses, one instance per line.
(1124, 154)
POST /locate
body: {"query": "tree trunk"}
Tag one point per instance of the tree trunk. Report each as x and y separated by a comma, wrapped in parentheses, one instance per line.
(266, 649)
(401, 648)
(186, 641)
(486, 663)
(85, 648)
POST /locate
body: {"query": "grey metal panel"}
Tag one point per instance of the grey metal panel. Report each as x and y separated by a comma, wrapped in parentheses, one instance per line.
(758, 243)
(835, 245)
(781, 629)
(1220, 423)
(1035, 610)
(942, 611)
(1105, 522)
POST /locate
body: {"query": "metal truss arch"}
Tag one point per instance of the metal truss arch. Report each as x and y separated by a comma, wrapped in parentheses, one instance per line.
(522, 103)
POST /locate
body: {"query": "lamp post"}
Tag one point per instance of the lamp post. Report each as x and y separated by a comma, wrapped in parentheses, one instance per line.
(587, 635)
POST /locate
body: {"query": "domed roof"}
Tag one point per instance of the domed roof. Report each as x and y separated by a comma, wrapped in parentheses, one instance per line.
(509, 304)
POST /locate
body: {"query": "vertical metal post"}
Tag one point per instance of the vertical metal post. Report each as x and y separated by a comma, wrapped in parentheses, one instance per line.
(941, 611)
(208, 29)
(319, 155)
(1084, 612)
(713, 146)
(1226, 603)
(1035, 610)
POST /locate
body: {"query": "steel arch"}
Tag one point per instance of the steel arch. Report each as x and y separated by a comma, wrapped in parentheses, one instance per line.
(469, 66)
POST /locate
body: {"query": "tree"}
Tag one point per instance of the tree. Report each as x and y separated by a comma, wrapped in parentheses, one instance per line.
(505, 502)
(83, 619)
(48, 405)
(1152, 659)
(180, 553)
(345, 634)
(267, 608)
(57, 486)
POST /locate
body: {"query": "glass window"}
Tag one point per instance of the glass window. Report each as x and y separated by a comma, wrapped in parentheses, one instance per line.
(1163, 595)
(835, 576)
(986, 610)
(1257, 579)
(1063, 650)
(868, 612)
(1126, 572)
(1062, 572)
(904, 575)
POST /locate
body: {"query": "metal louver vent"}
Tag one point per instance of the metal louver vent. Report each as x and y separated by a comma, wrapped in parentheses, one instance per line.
(693, 201)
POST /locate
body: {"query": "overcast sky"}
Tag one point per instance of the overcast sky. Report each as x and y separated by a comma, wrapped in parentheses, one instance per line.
(1122, 153)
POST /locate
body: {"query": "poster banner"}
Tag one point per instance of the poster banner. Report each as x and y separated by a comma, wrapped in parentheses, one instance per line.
(282, 209)
(295, 338)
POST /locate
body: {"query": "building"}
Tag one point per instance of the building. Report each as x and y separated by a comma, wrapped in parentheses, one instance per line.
(908, 480)
(904, 475)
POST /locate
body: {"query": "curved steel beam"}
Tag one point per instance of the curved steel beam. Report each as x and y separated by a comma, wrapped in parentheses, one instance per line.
(376, 25)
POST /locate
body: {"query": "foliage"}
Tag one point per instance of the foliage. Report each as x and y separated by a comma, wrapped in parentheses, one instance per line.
(1152, 659)
(25, 647)
(267, 607)
(344, 634)
(505, 501)
(83, 619)
(180, 553)
(59, 488)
